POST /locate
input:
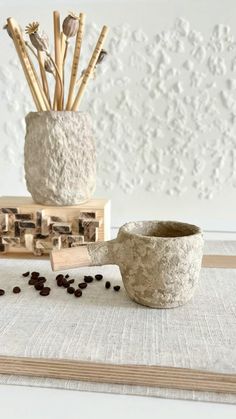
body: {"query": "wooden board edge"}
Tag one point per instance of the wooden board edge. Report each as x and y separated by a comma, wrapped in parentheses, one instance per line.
(134, 375)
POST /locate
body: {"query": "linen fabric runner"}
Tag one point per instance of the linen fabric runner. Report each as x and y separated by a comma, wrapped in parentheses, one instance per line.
(106, 326)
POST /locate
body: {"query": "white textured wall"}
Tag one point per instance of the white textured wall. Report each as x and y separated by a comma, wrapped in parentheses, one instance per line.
(163, 104)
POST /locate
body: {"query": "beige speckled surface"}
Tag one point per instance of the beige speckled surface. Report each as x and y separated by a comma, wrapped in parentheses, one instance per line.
(60, 161)
(160, 261)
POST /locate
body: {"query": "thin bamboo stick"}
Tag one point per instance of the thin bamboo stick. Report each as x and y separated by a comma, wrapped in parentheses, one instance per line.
(44, 76)
(75, 63)
(26, 65)
(58, 60)
(64, 45)
(90, 68)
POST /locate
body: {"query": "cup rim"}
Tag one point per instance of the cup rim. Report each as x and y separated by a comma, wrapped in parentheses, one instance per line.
(52, 112)
(128, 229)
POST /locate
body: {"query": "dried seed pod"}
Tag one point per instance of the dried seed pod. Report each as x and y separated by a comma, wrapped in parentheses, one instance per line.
(70, 25)
(101, 56)
(48, 66)
(38, 39)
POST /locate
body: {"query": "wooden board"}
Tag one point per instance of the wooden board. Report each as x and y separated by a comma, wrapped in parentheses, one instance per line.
(34, 235)
(219, 261)
(137, 375)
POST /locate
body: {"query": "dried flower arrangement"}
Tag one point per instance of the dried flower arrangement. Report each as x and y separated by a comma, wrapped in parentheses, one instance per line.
(72, 27)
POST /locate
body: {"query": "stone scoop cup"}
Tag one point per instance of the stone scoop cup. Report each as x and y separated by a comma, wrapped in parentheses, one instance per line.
(159, 261)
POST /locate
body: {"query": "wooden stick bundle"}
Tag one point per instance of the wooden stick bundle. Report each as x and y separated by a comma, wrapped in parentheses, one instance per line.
(73, 26)
(27, 66)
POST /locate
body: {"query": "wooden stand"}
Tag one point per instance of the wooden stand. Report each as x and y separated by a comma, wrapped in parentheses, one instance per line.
(33, 230)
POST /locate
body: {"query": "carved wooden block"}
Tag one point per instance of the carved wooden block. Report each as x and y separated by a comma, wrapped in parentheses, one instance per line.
(33, 230)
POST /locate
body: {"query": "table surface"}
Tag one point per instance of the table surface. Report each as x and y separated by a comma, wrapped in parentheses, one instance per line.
(18, 402)
(23, 402)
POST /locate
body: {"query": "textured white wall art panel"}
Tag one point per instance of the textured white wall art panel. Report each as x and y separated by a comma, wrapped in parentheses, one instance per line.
(163, 105)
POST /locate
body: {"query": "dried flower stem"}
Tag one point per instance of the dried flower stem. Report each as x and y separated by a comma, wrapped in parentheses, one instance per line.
(58, 95)
(64, 54)
(43, 76)
(31, 49)
(76, 58)
(65, 51)
(90, 68)
(57, 73)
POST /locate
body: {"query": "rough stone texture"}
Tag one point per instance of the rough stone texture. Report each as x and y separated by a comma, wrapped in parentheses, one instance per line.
(160, 261)
(60, 161)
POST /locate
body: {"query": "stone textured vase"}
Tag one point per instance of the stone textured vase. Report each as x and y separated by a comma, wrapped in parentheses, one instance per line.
(60, 158)
(159, 261)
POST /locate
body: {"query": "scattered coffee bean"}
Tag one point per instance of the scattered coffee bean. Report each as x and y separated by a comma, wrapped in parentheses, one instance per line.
(26, 274)
(60, 282)
(65, 283)
(35, 274)
(32, 281)
(107, 285)
(88, 279)
(78, 293)
(60, 276)
(2, 292)
(39, 286)
(45, 291)
(41, 279)
(70, 290)
(67, 276)
(71, 281)
(98, 277)
(16, 290)
(116, 288)
(83, 285)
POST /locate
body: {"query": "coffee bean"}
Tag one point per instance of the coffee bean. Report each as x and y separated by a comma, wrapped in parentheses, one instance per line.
(59, 282)
(60, 276)
(41, 279)
(2, 292)
(35, 274)
(16, 290)
(39, 286)
(78, 293)
(70, 290)
(26, 274)
(32, 281)
(116, 288)
(67, 276)
(45, 291)
(71, 281)
(65, 283)
(107, 285)
(98, 277)
(83, 285)
(88, 279)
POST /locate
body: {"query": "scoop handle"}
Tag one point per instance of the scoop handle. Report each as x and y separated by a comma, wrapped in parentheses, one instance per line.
(70, 258)
(92, 254)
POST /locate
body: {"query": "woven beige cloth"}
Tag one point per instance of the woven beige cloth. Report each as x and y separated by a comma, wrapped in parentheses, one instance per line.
(105, 326)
